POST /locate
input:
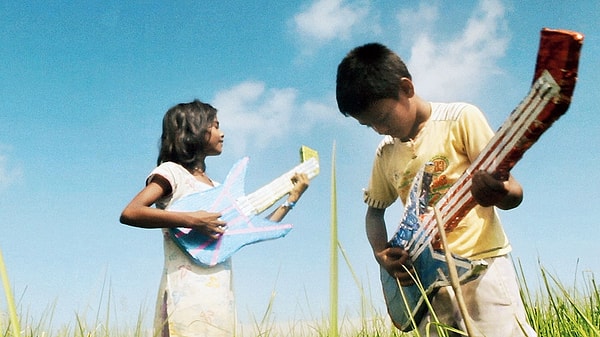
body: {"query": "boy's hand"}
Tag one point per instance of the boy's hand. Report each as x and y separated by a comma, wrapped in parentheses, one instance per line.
(397, 263)
(488, 190)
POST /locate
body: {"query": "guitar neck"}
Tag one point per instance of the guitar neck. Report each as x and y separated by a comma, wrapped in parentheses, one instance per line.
(267, 195)
(503, 151)
(548, 99)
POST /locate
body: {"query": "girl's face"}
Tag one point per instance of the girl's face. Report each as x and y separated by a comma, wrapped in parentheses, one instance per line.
(214, 139)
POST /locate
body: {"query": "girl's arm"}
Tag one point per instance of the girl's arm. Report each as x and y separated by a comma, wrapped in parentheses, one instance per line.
(301, 183)
(139, 213)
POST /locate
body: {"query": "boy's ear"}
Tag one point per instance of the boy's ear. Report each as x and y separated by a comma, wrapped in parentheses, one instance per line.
(406, 87)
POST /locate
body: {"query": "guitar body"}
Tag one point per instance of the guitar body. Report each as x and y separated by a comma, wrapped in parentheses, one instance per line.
(241, 212)
(549, 98)
(243, 227)
(432, 270)
(407, 304)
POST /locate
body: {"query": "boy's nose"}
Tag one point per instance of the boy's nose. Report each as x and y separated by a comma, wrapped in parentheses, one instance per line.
(380, 129)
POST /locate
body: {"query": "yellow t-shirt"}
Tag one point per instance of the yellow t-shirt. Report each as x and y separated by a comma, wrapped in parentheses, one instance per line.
(451, 139)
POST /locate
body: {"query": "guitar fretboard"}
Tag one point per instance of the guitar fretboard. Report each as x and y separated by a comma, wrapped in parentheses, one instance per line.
(508, 145)
(548, 99)
(266, 196)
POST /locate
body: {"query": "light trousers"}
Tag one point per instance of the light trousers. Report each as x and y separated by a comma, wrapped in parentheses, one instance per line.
(493, 302)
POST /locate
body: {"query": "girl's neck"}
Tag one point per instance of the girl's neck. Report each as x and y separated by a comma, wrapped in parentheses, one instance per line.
(200, 174)
(199, 166)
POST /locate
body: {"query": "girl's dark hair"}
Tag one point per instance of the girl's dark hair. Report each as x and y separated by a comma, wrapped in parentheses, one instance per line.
(368, 73)
(184, 133)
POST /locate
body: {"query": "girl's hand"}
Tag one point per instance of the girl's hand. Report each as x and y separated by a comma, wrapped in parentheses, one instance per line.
(207, 223)
(301, 182)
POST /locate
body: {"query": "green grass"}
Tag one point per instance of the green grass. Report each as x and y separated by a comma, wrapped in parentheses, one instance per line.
(558, 310)
(553, 310)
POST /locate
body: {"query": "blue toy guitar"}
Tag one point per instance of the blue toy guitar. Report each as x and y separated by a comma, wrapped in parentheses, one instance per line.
(239, 211)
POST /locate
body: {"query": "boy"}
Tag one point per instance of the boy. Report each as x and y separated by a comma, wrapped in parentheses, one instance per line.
(375, 88)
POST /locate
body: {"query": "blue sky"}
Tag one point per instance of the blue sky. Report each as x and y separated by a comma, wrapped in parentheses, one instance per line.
(84, 88)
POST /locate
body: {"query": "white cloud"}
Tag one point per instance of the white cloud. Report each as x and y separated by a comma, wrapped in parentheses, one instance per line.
(253, 114)
(326, 20)
(457, 66)
(316, 113)
(8, 175)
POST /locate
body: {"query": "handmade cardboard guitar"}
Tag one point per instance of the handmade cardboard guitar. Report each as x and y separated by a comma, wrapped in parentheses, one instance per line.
(239, 211)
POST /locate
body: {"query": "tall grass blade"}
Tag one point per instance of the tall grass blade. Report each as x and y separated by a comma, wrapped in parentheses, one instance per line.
(576, 308)
(363, 297)
(333, 267)
(12, 310)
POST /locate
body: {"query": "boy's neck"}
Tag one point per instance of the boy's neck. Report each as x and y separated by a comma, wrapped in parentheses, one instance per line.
(422, 114)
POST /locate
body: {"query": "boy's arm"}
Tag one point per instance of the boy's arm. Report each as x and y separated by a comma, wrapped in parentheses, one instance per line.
(376, 229)
(490, 191)
(394, 260)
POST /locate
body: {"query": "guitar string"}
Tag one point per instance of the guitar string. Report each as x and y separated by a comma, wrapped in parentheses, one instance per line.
(514, 135)
(275, 189)
(492, 148)
(506, 149)
(267, 195)
(457, 207)
(506, 146)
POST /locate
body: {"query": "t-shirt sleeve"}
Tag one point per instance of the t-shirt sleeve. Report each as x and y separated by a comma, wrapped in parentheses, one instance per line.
(168, 171)
(380, 193)
(164, 170)
(475, 131)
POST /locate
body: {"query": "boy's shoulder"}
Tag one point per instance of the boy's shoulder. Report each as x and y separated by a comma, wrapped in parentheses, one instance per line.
(451, 111)
(387, 141)
(440, 112)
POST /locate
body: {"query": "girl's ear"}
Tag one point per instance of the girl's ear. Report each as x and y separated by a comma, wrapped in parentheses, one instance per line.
(406, 87)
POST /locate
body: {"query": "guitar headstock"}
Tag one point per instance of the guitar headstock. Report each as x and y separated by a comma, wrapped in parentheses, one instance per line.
(306, 154)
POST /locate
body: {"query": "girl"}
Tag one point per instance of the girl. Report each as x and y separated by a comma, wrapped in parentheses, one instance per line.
(193, 300)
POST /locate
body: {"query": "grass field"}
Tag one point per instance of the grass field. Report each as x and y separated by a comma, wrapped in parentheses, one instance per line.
(554, 309)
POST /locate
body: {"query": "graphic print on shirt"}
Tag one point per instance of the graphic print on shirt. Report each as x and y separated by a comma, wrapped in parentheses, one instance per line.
(403, 181)
(439, 184)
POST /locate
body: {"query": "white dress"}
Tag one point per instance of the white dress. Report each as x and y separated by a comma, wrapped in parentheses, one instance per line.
(193, 300)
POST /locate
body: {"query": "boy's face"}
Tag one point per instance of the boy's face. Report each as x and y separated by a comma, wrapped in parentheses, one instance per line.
(388, 116)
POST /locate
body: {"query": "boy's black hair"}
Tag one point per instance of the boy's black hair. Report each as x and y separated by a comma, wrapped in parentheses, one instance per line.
(368, 73)
(184, 133)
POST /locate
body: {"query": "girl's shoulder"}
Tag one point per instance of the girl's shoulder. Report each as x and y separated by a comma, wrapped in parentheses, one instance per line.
(170, 171)
(172, 167)
(181, 180)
